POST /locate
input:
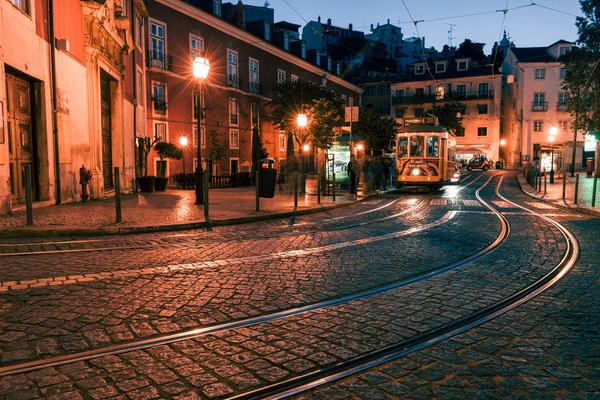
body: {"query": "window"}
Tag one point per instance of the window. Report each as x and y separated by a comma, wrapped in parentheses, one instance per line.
(483, 90)
(419, 69)
(537, 126)
(254, 81)
(160, 131)
(217, 7)
(22, 5)
(344, 101)
(460, 132)
(232, 72)
(564, 125)
(419, 92)
(439, 92)
(399, 93)
(440, 67)
(461, 91)
(157, 43)
(267, 31)
(482, 131)
(563, 97)
(350, 101)
(281, 76)
(328, 63)
(255, 112)
(338, 68)
(303, 50)
(196, 46)
(233, 111)
(563, 50)
(416, 146)
(399, 113)
(195, 137)
(419, 112)
(433, 146)
(234, 140)
(286, 41)
(282, 137)
(381, 90)
(139, 82)
(462, 109)
(403, 147)
(159, 99)
(482, 109)
(139, 30)
(563, 73)
(539, 103)
(540, 73)
(294, 78)
(462, 66)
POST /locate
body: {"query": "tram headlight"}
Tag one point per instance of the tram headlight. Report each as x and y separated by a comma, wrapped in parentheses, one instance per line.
(416, 171)
(457, 174)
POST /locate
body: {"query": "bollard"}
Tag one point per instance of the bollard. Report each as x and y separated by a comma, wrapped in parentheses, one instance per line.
(257, 184)
(319, 189)
(28, 194)
(564, 185)
(576, 189)
(206, 183)
(333, 185)
(118, 194)
(594, 191)
(295, 190)
(545, 183)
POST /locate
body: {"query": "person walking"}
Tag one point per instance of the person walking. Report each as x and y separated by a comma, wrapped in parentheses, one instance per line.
(353, 173)
(377, 174)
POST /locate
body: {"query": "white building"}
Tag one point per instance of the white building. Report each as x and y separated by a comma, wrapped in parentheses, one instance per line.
(535, 102)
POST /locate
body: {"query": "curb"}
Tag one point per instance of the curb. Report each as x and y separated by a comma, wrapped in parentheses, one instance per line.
(16, 233)
(581, 210)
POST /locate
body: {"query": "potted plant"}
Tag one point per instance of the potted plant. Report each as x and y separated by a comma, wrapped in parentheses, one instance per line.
(144, 145)
(165, 150)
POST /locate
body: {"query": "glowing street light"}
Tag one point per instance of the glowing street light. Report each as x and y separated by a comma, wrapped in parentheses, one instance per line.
(502, 143)
(183, 141)
(200, 68)
(302, 120)
(551, 138)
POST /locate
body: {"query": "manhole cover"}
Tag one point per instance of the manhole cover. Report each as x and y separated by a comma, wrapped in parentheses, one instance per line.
(8, 303)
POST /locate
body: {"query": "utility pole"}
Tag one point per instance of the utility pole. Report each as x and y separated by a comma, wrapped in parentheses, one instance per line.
(450, 34)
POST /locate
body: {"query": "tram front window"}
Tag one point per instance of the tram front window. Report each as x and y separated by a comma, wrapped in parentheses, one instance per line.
(433, 146)
(403, 147)
(416, 146)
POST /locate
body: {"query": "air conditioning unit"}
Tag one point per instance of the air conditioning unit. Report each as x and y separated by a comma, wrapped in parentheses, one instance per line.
(62, 44)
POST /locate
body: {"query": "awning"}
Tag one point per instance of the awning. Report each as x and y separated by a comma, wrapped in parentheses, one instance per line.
(345, 138)
(469, 148)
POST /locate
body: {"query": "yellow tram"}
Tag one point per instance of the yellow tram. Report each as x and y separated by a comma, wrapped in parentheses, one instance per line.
(425, 154)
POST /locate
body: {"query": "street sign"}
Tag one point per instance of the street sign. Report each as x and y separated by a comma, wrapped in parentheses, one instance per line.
(351, 114)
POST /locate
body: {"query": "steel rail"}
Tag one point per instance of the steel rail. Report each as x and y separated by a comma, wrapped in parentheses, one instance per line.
(361, 363)
(198, 332)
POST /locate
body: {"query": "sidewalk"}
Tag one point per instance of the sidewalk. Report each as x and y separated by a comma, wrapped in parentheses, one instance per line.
(161, 211)
(554, 193)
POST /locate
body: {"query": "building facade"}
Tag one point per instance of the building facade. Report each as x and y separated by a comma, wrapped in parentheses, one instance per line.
(535, 102)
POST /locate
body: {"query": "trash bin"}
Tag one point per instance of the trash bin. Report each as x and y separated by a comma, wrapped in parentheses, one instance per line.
(267, 182)
(498, 164)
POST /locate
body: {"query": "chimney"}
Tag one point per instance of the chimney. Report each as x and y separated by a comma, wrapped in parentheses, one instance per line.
(319, 19)
(388, 21)
(350, 27)
(329, 21)
(371, 27)
(241, 15)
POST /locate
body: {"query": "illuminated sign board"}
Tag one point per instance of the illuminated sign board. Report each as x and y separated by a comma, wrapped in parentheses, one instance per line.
(590, 143)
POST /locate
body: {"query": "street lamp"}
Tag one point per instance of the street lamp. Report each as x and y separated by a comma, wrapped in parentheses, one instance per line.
(302, 121)
(551, 138)
(201, 66)
(183, 141)
(502, 143)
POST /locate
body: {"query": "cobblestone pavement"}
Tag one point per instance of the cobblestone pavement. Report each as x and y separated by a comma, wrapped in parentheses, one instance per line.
(548, 347)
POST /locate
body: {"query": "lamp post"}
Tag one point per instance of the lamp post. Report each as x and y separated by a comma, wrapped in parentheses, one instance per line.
(302, 121)
(551, 138)
(201, 66)
(183, 141)
(502, 143)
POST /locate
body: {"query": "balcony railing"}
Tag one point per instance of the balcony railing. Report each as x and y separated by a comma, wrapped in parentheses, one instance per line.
(233, 81)
(450, 96)
(160, 106)
(562, 107)
(159, 60)
(256, 88)
(539, 106)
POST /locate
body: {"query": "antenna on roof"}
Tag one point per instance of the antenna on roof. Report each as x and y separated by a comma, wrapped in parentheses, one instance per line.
(267, 4)
(450, 34)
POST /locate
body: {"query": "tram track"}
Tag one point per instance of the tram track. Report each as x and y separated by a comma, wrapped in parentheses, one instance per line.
(316, 378)
(198, 332)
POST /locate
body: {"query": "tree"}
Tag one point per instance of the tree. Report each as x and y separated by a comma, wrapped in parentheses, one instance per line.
(375, 130)
(166, 150)
(323, 117)
(214, 151)
(472, 50)
(449, 115)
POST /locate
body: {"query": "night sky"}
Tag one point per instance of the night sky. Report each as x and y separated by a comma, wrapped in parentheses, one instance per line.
(529, 25)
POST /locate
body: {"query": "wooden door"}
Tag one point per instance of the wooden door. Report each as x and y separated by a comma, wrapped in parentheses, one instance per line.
(106, 132)
(21, 144)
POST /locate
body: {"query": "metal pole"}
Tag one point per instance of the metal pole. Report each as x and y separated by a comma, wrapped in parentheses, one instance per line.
(564, 185)
(295, 189)
(576, 189)
(545, 183)
(573, 159)
(206, 186)
(319, 189)
(118, 194)
(552, 165)
(594, 191)
(199, 172)
(257, 184)
(183, 158)
(28, 194)
(333, 175)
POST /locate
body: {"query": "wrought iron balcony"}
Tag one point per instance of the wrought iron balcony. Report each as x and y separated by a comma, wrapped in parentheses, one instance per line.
(255, 88)
(160, 106)
(562, 107)
(159, 60)
(233, 81)
(449, 96)
(539, 106)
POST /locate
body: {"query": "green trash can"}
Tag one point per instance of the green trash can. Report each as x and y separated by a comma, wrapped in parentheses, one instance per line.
(267, 182)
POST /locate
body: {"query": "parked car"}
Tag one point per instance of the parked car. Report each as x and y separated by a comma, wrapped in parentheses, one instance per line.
(478, 163)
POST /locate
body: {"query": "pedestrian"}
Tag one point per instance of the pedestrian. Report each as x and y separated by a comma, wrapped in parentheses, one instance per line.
(353, 173)
(377, 174)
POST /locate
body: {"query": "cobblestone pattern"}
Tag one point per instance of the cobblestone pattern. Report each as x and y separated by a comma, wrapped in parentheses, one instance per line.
(231, 362)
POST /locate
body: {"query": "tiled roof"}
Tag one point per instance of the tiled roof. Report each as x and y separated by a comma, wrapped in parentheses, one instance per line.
(532, 54)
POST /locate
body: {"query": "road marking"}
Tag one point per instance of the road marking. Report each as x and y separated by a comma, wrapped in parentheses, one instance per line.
(471, 203)
(71, 279)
